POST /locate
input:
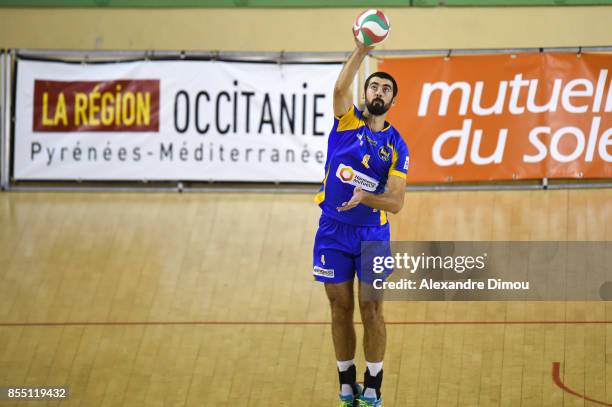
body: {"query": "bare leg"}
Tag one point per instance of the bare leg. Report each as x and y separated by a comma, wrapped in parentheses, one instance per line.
(374, 344)
(343, 330)
(374, 330)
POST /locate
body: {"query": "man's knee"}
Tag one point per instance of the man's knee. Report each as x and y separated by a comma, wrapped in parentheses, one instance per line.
(371, 311)
(341, 301)
(342, 309)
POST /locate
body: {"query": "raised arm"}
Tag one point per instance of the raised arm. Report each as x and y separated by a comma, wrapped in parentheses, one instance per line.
(343, 98)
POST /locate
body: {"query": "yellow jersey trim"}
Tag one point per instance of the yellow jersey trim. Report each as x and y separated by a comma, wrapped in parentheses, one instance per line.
(320, 196)
(393, 156)
(349, 121)
(397, 174)
(350, 109)
(383, 217)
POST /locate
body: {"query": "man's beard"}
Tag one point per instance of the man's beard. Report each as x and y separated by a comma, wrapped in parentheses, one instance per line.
(377, 107)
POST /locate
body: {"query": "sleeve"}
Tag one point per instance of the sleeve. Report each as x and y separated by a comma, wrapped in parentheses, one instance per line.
(401, 158)
(348, 121)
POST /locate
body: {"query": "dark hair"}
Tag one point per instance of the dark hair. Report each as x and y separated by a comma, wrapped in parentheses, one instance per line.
(382, 75)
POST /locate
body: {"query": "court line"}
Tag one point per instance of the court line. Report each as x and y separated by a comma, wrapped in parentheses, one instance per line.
(556, 367)
(283, 323)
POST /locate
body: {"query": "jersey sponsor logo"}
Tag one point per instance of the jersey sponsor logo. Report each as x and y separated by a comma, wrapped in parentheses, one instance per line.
(407, 163)
(371, 140)
(321, 272)
(365, 160)
(360, 137)
(383, 153)
(348, 175)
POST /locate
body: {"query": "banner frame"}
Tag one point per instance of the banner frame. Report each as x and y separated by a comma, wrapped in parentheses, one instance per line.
(587, 51)
(488, 51)
(280, 57)
(109, 59)
(6, 119)
(86, 56)
(93, 56)
(2, 131)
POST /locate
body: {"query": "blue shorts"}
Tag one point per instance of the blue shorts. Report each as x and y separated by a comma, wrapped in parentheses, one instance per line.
(337, 253)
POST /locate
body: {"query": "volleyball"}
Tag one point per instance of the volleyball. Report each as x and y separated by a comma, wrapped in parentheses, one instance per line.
(371, 27)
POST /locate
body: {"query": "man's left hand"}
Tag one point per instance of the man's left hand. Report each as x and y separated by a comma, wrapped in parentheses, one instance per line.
(355, 200)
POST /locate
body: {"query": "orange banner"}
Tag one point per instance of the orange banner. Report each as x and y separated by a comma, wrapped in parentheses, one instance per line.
(505, 117)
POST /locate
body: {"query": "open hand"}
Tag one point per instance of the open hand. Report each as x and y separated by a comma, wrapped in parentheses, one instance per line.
(362, 47)
(355, 200)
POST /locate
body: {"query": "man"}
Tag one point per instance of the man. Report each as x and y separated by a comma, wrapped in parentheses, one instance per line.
(365, 177)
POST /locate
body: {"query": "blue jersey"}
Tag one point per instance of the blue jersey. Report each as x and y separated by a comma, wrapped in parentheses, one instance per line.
(356, 156)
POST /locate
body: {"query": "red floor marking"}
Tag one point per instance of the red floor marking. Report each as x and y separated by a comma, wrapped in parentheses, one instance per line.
(556, 367)
(281, 323)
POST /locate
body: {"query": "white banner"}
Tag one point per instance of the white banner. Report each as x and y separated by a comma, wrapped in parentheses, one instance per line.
(173, 120)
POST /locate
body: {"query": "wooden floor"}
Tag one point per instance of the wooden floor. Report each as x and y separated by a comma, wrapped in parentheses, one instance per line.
(207, 299)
